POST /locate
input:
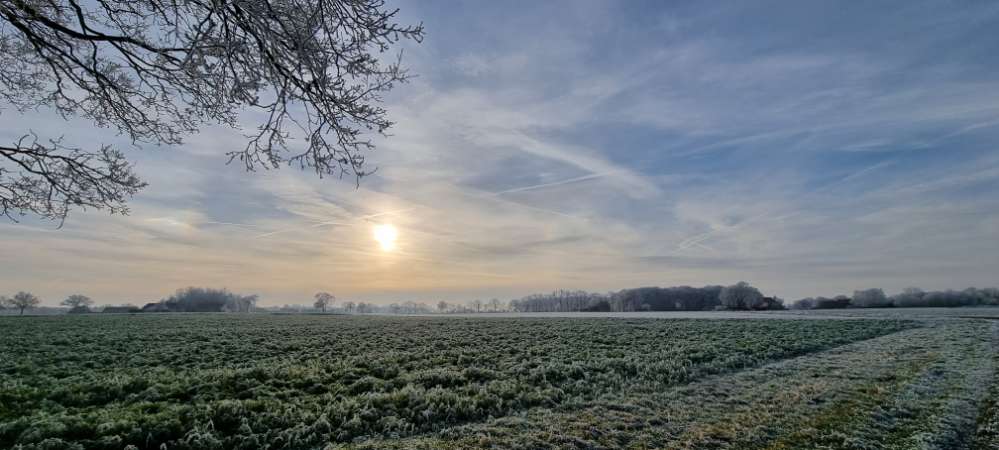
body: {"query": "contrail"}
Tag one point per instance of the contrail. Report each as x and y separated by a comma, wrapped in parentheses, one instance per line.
(272, 233)
(386, 213)
(697, 239)
(336, 223)
(241, 225)
(495, 197)
(330, 223)
(967, 129)
(555, 183)
(856, 174)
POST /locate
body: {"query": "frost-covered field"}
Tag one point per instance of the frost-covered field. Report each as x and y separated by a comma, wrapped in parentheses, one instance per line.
(303, 382)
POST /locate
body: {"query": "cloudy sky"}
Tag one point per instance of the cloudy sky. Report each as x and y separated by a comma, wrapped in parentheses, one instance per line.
(808, 148)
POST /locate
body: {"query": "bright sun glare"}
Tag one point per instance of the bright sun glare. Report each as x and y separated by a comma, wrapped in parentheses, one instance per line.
(386, 234)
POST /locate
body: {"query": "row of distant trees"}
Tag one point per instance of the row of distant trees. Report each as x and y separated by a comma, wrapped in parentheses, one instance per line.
(190, 299)
(908, 298)
(324, 301)
(197, 299)
(740, 296)
(323, 304)
(23, 301)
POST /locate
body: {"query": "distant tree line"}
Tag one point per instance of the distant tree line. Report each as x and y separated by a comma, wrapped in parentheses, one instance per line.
(740, 296)
(351, 307)
(908, 298)
(190, 299)
(26, 301)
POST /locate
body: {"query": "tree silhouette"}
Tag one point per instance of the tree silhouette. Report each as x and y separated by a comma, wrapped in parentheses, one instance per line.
(323, 299)
(77, 301)
(23, 300)
(158, 70)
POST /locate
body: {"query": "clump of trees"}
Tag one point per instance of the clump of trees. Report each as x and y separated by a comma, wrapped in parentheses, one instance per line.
(680, 298)
(908, 298)
(740, 296)
(195, 299)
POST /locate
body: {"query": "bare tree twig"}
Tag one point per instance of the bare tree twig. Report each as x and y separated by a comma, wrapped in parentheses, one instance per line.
(158, 70)
(49, 178)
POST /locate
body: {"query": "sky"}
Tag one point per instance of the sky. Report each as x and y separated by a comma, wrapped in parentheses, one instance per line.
(809, 148)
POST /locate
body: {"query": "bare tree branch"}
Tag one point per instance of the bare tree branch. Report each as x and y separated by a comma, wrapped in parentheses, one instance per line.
(158, 70)
(48, 179)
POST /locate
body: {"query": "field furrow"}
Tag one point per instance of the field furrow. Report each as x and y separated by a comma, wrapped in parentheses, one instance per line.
(919, 388)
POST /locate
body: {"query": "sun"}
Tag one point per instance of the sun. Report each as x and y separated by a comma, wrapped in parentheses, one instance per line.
(386, 235)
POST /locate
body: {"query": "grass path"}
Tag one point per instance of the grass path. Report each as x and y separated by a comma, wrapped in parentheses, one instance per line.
(921, 388)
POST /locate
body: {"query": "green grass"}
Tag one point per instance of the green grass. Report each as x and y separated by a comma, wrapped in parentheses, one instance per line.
(304, 382)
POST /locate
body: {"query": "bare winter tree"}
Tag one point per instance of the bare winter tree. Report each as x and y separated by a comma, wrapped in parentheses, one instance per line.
(323, 299)
(22, 301)
(157, 70)
(77, 301)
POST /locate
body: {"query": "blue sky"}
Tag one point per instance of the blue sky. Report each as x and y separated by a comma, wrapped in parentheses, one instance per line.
(810, 148)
